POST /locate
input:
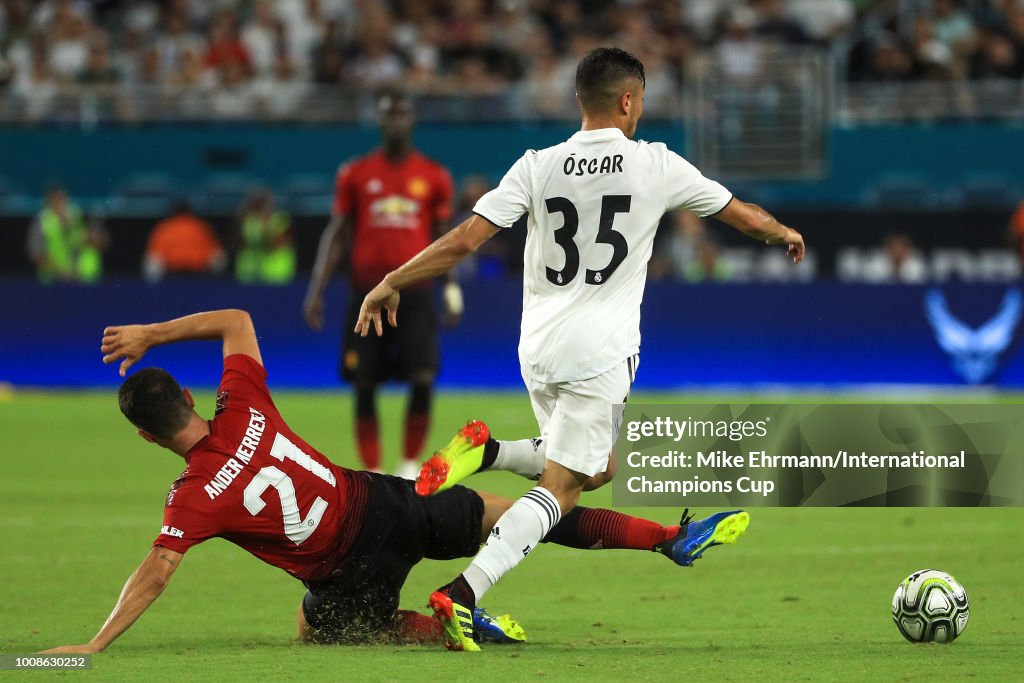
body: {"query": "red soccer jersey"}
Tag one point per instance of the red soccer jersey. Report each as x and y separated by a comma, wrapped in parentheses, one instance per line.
(394, 206)
(254, 482)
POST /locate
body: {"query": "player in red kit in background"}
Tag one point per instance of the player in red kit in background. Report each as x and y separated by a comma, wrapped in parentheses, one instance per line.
(388, 205)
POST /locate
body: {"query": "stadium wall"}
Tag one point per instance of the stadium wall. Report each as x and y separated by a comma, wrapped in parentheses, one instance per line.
(741, 336)
(93, 163)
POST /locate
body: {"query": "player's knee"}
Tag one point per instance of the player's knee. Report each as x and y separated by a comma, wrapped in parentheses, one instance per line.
(307, 634)
(602, 478)
(424, 378)
(568, 498)
(597, 481)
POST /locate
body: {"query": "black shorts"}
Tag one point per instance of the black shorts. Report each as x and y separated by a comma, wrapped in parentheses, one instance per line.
(400, 528)
(401, 351)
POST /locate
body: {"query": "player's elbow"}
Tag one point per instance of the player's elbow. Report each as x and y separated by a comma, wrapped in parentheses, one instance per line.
(240, 319)
(156, 583)
(464, 244)
(469, 236)
(335, 234)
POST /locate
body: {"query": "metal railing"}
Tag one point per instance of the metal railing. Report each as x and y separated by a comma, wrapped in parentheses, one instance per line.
(297, 102)
(767, 124)
(765, 115)
(931, 102)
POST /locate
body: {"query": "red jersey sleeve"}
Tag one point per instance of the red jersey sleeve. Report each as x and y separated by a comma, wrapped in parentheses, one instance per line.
(344, 191)
(444, 192)
(243, 378)
(185, 524)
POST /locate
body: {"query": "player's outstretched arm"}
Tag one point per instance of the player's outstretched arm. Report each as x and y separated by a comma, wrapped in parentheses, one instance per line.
(139, 592)
(328, 256)
(128, 343)
(435, 260)
(755, 222)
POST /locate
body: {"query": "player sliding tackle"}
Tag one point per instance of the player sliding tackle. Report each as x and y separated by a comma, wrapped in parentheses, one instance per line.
(253, 481)
(594, 203)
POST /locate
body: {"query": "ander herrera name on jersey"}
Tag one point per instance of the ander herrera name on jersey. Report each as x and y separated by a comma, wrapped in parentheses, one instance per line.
(246, 449)
(611, 163)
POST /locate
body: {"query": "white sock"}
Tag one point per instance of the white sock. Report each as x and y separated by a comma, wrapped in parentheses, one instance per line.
(525, 457)
(515, 535)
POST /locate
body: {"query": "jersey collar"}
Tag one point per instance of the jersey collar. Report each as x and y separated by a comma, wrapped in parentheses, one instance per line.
(598, 135)
(396, 164)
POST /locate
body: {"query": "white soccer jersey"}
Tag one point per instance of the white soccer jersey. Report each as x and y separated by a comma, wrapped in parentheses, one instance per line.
(594, 204)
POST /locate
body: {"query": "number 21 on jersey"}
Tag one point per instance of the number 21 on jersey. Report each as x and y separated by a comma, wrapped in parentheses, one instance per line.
(296, 528)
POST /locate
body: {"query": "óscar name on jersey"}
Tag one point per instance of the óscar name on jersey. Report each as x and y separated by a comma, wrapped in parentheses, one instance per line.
(584, 166)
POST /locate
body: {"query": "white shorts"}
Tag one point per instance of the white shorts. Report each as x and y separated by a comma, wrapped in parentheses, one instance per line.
(580, 420)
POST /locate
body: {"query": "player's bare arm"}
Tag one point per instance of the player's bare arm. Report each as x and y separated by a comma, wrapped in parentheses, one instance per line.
(141, 590)
(435, 260)
(329, 254)
(755, 222)
(129, 343)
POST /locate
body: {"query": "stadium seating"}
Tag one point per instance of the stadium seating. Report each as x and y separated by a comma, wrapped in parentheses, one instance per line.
(223, 194)
(901, 190)
(151, 194)
(308, 194)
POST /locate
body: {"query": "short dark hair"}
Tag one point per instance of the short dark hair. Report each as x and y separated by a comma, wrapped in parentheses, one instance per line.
(152, 400)
(600, 71)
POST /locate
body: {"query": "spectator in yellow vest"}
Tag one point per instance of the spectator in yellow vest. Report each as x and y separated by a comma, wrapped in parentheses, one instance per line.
(60, 244)
(266, 254)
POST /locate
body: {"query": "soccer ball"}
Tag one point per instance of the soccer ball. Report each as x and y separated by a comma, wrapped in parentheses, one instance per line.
(930, 606)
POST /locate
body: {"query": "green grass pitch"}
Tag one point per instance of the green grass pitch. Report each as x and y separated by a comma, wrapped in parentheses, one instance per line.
(804, 596)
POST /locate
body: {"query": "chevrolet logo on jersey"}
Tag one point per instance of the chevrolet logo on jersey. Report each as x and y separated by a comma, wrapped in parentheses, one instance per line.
(395, 211)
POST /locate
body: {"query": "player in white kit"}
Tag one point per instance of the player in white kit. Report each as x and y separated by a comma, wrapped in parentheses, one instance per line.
(593, 204)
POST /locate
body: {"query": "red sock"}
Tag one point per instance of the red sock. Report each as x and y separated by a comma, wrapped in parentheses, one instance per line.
(413, 627)
(595, 528)
(416, 426)
(368, 442)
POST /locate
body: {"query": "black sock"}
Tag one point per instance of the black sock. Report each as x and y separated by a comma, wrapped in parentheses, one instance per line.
(461, 592)
(490, 455)
(566, 532)
(366, 403)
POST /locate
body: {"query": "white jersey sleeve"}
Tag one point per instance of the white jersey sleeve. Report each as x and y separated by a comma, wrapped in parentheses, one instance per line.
(506, 203)
(686, 188)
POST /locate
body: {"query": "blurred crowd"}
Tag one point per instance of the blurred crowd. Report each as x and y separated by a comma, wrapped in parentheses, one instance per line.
(955, 40)
(245, 58)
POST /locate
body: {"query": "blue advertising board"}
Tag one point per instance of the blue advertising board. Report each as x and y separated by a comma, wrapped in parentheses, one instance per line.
(821, 335)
